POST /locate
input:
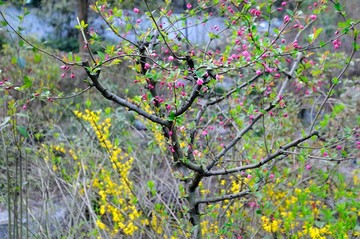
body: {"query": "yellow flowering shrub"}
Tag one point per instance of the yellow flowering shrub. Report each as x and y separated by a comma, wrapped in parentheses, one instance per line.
(116, 199)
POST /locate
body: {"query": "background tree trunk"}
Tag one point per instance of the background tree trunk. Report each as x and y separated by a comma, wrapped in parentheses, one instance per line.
(83, 9)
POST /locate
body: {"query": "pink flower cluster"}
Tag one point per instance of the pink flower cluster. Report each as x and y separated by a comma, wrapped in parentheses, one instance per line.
(66, 68)
(336, 43)
(255, 12)
(286, 18)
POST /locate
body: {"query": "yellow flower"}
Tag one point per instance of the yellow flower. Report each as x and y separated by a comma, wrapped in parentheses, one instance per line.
(100, 224)
(270, 226)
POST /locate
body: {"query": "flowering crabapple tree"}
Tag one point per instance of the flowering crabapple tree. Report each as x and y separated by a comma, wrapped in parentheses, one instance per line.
(228, 109)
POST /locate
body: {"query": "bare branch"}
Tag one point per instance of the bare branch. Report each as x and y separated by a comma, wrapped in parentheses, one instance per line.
(223, 198)
(332, 88)
(279, 152)
(32, 45)
(111, 96)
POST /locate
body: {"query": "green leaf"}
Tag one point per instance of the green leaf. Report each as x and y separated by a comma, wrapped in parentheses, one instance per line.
(338, 7)
(291, 13)
(338, 108)
(115, 62)
(325, 121)
(37, 58)
(70, 56)
(108, 111)
(317, 33)
(213, 35)
(335, 80)
(304, 79)
(171, 116)
(83, 24)
(22, 130)
(27, 82)
(101, 55)
(88, 103)
(150, 184)
(77, 58)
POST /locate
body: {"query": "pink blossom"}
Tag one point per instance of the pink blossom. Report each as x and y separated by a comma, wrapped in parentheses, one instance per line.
(271, 176)
(285, 115)
(197, 153)
(136, 10)
(245, 53)
(252, 204)
(72, 76)
(286, 18)
(283, 4)
(255, 12)
(182, 128)
(147, 66)
(296, 45)
(308, 167)
(249, 176)
(325, 154)
(339, 147)
(231, 10)
(199, 81)
(63, 75)
(188, 6)
(170, 58)
(24, 107)
(204, 133)
(336, 43)
(313, 17)
(258, 72)
(180, 84)
(277, 76)
(282, 104)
